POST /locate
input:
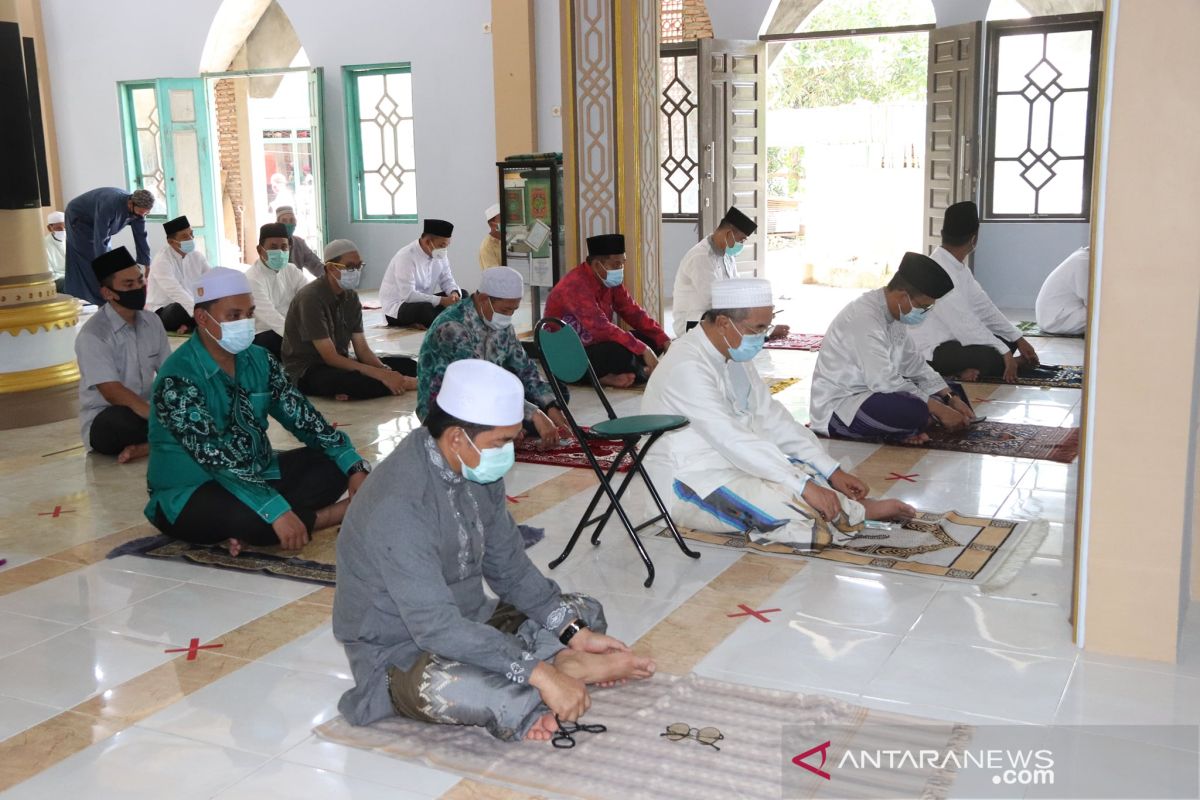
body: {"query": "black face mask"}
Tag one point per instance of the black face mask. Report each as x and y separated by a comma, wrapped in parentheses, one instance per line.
(133, 299)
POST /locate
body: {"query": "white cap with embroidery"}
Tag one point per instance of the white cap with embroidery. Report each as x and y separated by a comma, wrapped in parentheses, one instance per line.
(483, 393)
(742, 293)
(220, 282)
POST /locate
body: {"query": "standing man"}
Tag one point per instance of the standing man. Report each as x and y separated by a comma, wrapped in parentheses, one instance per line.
(301, 254)
(1062, 301)
(56, 248)
(491, 250)
(93, 218)
(213, 475)
(586, 299)
(119, 351)
(274, 281)
(418, 284)
(324, 321)
(173, 272)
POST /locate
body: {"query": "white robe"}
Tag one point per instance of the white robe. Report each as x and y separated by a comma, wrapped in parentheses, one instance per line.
(171, 278)
(866, 351)
(56, 256)
(966, 314)
(414, 277)
(273, 293)
(1062, 302)
(701, 265)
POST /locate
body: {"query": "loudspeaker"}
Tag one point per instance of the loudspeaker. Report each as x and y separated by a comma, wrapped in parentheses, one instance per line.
(18, 155)
(35, 119)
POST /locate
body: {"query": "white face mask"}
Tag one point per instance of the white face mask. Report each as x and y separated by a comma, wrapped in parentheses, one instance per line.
(439, 252)
(498, 321)
(59, 236)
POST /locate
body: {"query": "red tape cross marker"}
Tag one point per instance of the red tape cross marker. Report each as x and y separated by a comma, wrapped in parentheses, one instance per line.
(747, 611)
(58, 510)
(896, 476)
(341, 424)
(516, 499)
(193, 648)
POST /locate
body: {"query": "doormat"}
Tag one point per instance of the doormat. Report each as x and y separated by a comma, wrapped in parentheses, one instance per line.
(1014, 439)
(1030, 328)
(1055, 376)
(810, 342)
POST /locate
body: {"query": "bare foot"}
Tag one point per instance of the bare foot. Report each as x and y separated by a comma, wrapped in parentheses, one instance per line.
(969, 375)
(409, 384)
(543, 729)
(233, 546)
(604, 668)
(920, 438)
(341, 397)
(887, 510)
(622, 381)
(133, 453)
(182, 329)
(331, 515)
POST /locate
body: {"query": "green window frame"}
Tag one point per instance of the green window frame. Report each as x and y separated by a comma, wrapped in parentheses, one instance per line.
(141, 126)
(382, 144)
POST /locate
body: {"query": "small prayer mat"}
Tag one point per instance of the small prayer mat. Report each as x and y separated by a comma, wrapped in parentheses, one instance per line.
(1014, 439)
(1053, 376)
(797, 341)
(570, 454)
(1030, 328)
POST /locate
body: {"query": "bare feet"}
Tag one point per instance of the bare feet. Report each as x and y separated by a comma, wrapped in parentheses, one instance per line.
(342, 397)
(969, 375)
(233, 546)
(543, 729)
(622, 381)
(410, 383)
(920, 438)
(133, 453)
(604, 668)
(331, 515)
(887, 510)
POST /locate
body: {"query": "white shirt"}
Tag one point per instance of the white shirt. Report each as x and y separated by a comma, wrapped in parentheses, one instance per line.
(737, 428)
(1062, 302)
(866, 351)
(413, 277)
(56, 256)
(701, 265)
(966, 314)
(171, 278)
(273, 293)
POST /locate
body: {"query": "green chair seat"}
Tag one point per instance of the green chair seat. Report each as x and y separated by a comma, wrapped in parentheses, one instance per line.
(637, 425)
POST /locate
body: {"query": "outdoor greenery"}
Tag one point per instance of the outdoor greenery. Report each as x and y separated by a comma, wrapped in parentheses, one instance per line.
(785, 171)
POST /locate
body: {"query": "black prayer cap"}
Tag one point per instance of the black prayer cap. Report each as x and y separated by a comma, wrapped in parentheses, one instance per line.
(272, 230)
(114, 260)
(438, 227)
(174, 226)
(961, 221)
(740, 221)
(606, 244)
(925, 275)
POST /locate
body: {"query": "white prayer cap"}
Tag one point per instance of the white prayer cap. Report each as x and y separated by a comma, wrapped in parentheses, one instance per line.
(220, 282)
(503, 283)
(281, 210)
(338, 248)
(492, 211)
(483, 393)
(56, 217)
(742, 293)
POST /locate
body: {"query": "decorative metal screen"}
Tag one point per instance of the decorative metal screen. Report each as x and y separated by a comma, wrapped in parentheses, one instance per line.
(382, 154)
(142, 105)
(679, 125)
(672, 20)
(1041, 82)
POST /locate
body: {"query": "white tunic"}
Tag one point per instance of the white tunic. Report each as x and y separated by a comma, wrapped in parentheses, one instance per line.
(414, 277)
(56, 256)
(737, 428)
(966, 313)
(273, 293)
(701, 265)
(1062, 302)
(171, 277)
(865, 351)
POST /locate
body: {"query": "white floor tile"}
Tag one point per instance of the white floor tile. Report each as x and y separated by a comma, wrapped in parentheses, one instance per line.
(1019, 413)
(940, 496)
(18, 715)
(973, 619)
(1053, 476)
(614, 566)
(373, 767)
(175, 569)
(629, 617)
(1039, 504)
(317, 651)
(287, 781)
(1109, 766)
(1100, 694)
(1042, 580)
(524, 477)
(83, 595)
(968, 469)
(18, 632)
(851, 598)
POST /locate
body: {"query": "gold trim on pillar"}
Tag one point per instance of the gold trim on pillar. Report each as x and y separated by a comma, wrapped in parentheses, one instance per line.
(34, 317)
(38, 291)
(41, 378)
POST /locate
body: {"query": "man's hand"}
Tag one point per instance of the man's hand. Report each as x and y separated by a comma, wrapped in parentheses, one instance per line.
(1026, 350)
(588, 641)
(666, 346)
(950, 419)
(958, 405)
(1010, 368)
(547, 431)
(848, 484)
(447, 301)
(558, 418)
(356, 482)
(650, 360)
(780, 332)
(394, 381)
(567, 697)
(824, 501)
(290, 530)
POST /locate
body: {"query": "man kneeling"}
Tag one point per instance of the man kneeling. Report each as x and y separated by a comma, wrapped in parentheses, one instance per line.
(423, 639)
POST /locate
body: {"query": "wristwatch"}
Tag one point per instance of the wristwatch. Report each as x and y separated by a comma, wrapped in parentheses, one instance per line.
(569, 632)
(363, 466)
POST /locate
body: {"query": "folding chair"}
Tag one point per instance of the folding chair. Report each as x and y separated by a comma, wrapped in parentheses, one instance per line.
(564, 360)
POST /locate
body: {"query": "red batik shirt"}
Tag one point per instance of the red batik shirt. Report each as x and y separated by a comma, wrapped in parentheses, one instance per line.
(582, 301)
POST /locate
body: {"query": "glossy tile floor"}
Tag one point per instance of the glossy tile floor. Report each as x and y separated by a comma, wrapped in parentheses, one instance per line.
(91, 705)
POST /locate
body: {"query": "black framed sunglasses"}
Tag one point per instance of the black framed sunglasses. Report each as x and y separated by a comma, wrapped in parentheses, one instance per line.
(681, 730)
(564, 737)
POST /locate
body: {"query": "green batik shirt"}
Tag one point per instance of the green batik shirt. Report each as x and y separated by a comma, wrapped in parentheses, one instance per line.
(206, 426)
(459, 333)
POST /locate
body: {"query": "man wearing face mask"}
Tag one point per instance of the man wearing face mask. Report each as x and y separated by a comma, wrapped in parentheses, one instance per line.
(965, 336)
(56, 248)
(173, 272)
(274, 281)
(300, 253)
(423, 639)
(324, 322)
(92, 219)
(491, 249)
(481, 327)
(119, 351)
(418, 284)
(213, 476)
(745, 465)
(586, 299)
(870, 381)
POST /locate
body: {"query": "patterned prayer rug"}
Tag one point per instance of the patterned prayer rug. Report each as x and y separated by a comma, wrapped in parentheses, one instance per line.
(953, 547)
(1030, 328)
(632, 761)
(1018, 440)
(1049, 375)
(797, 341)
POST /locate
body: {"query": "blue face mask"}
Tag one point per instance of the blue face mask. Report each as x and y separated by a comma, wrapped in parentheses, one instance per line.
(494, 463)
(236, 336)
(614, 278)
(350, 278)
(187, 246)
(277, 259)
(290, 227)
(914, 316)
(751, 345)
(734, 249)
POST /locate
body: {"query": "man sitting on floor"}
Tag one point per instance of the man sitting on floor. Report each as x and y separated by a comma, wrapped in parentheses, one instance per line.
(586, 298)
(56, 248)
(423, 639)
(418, 284)
(119, 350)
(870, 382)
(324, 321)
(491, 249)
(965, 336)
(1062, 301)
(298, 250)
(744, 464)
(481, 327)
(213, 476)
(172, 274)
(275, 282)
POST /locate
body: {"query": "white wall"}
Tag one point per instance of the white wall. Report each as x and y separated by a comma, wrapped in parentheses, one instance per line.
(1013, 258)
(548, 67)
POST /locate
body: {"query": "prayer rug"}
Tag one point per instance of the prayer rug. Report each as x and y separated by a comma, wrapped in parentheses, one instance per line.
(1048, 375)
(797, 341)
(763, 732)
(952, 547)
(1030, 328)
(1014, 439)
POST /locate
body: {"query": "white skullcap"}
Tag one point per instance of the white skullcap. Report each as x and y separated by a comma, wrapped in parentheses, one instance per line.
(220, 282)
(281, 210)
(338, 248)
(56, 217)
(742, 293)
(503, 283)
(492, 211)
(483, 393)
